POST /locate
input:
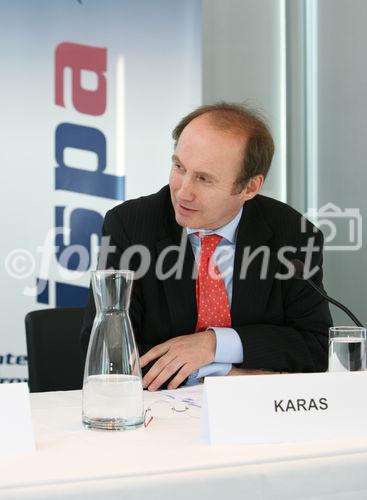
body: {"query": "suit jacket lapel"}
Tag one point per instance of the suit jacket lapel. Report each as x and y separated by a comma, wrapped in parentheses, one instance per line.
(253, 235)
(179, 286)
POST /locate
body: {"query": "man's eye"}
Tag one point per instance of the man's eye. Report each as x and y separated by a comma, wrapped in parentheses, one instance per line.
(178, 167)
(201, 178)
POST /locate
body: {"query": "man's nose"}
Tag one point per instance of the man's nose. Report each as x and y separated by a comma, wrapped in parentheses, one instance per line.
(186, 191)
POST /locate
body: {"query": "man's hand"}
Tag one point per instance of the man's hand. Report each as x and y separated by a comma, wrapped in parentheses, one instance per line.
(183, 355)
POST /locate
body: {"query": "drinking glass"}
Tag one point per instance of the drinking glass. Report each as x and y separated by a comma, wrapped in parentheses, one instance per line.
(347, 349)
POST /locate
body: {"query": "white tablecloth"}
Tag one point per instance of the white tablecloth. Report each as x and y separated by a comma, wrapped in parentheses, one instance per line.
(167, 460)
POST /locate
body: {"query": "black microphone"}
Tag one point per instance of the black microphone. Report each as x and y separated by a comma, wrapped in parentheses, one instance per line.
(298, 274)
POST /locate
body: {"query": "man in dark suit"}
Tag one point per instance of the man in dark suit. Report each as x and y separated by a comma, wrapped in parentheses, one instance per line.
(273, 322)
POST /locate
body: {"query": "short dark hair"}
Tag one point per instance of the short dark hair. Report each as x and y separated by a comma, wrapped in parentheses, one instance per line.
(259, 149)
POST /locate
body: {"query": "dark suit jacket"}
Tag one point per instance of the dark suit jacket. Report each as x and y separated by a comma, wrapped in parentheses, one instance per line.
(283, 324)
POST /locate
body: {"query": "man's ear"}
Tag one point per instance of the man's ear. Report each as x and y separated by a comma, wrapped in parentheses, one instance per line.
(252, 187)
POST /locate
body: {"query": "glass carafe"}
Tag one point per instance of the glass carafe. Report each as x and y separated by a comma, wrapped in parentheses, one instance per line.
(112, 388)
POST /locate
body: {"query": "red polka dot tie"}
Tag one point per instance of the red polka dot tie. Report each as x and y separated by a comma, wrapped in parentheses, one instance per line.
(211, 296)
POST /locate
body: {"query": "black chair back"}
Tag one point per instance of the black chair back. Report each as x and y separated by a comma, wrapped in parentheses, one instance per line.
(54, 351)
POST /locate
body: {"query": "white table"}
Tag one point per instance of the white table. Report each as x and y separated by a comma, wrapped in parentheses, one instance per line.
(168, 461)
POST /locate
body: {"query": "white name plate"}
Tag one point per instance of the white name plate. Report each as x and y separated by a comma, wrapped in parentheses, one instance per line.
(284, 408)
(16, 431)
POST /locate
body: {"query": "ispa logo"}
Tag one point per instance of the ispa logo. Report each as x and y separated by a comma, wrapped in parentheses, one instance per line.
(76, 225)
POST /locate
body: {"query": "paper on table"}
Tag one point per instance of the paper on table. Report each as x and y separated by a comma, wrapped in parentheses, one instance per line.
(191, 395)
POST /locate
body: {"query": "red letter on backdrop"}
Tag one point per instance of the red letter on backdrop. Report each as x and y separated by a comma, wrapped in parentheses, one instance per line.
(78, 58)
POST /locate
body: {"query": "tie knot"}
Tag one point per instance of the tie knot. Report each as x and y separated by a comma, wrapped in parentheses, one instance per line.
(209, 242)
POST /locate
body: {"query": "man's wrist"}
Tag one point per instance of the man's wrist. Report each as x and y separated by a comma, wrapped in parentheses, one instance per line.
(212, 343)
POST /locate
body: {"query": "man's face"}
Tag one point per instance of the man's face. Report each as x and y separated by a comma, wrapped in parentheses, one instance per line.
(205, 166)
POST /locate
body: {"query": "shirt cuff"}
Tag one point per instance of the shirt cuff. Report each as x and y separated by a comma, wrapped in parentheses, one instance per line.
(229, 346)
(213, 369)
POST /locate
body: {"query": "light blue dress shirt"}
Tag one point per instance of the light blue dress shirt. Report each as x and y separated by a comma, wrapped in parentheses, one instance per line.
(229, 346)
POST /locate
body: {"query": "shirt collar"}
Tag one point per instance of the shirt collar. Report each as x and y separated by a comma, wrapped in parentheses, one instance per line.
(228, 231)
